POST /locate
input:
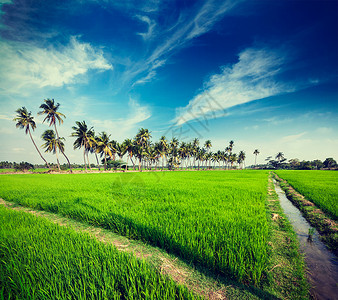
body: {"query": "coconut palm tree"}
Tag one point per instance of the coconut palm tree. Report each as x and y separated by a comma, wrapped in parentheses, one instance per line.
(280, 157)
(103, 147)
(164, 149)
(256, 152)
(194, 150)
(142, 138)
(241, 157)
(129, 148)
(50, 109)
(84, 139)
(52, 144)
(93, 148)
(232, 158)
(25, 121)
(207, 146)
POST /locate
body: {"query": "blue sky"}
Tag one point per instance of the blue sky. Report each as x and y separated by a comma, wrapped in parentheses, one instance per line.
(261, 73)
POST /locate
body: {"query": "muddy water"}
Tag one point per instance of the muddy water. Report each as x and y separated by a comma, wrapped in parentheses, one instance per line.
(322, 265)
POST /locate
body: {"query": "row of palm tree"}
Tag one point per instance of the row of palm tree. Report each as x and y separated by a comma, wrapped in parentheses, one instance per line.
(140, 151)
(143, 152)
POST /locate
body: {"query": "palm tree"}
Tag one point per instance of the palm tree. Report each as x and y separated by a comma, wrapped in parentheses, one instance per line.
(52, 144)
(207, 146)
(129, 148)
(93, 148)
(195, 149)
(256, 152)
(84, 138)
(164, 149)
(280, 156)
(50, 109)
(142, 138)
(25, 120)
(241, 158)
(232, 158)
(103, 147)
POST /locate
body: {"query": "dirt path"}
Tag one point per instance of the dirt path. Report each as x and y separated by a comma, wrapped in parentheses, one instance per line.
(179, 271)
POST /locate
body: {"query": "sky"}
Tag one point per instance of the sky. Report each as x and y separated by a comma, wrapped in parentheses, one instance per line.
(262, 73)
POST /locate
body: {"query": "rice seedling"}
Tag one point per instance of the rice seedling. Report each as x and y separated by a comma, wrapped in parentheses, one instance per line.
(214, 219)
(40, 260)
(320, 187)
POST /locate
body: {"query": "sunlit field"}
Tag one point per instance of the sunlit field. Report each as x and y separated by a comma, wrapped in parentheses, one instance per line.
(321, 187)
(214, 219)
(40, 260)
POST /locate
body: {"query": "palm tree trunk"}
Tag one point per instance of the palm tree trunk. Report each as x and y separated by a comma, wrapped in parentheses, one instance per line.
(105, 161)
(98, 165)
(70, 168)
(57, 160)
(37, 149)
(127, 163)
(84, 158)
(88, 161)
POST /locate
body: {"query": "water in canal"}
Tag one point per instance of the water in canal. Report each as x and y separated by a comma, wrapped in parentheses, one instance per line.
(322, 265)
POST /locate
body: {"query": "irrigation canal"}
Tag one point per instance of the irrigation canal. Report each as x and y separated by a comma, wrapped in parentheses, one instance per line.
(322, 265)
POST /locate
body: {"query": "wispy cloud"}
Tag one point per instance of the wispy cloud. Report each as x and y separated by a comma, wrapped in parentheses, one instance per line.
(251, 78)
(151, 25)
(127, 125)
(293, 137)
(24, 66)
(6, 117)
(175, 36)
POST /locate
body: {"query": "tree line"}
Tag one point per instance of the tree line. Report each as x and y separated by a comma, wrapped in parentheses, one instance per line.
(140, 151)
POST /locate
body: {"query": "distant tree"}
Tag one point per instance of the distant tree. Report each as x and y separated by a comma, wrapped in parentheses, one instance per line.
(241, 158)
(23, 166)
(305, 165)
(317, 164)
(142, 139)
(103, 147)
(84, 139)
(256, 152)
(329, 163)
(294, 163)
(280, 157)
(25, 121)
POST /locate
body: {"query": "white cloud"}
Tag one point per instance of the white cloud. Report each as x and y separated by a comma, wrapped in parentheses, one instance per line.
(251, 78)
(291, 138)
(151, 25)
(174, 37)
(5, 117)
(24, 66)
(125, 127)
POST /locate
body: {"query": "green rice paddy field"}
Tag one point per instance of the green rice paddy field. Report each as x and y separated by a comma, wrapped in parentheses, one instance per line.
(217, 220)
(320, 187)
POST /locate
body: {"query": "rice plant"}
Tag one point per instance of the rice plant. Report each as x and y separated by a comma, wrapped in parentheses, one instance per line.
(40, 260)
(320, 187)
(213, 219)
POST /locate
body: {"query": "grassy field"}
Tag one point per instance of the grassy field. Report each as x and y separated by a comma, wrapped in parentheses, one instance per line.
(214, 219)
(40, 260)
(320, 187)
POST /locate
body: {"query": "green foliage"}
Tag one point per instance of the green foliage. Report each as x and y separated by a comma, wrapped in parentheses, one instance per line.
(215, 219)
(321, 187)
(23, 166)
(40, 260)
